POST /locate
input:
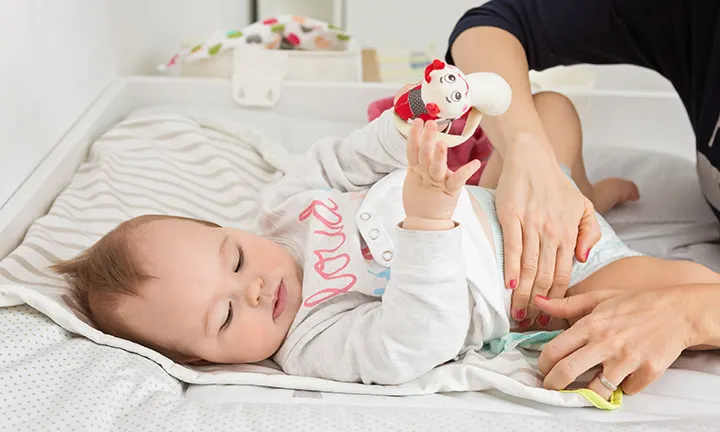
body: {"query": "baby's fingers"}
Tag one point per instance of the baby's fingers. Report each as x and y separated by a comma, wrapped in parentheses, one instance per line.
(438, 163)
(427, 144)
(461, 176)
(413, 142)
(427, 141)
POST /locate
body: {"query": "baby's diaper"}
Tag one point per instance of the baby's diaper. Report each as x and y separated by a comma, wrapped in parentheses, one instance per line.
(609, 249)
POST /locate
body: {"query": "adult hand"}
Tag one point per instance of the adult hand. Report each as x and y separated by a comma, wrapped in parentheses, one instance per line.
(546, 221)
(635, 336)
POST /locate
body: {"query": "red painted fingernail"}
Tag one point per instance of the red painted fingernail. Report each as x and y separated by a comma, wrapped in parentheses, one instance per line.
(513, 284)
(525, 323)
(541, 297)
(519, 314)
(543, 320)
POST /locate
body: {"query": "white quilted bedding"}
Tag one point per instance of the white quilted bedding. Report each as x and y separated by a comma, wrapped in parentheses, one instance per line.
(54, 380)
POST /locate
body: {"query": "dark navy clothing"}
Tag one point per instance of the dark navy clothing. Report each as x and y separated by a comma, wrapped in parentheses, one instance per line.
(679, 39)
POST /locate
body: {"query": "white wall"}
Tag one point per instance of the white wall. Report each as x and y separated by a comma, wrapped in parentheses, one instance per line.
(407, 24)
(149, 32)
(58, 56)
(324, 10)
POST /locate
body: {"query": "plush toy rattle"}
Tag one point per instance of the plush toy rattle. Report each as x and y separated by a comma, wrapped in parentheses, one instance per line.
(446, 94)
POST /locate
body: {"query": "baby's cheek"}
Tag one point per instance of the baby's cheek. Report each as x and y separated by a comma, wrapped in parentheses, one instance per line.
(258, 336)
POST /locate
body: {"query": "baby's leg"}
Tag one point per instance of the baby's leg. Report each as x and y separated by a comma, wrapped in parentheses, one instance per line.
(644, 273)
(562, 127)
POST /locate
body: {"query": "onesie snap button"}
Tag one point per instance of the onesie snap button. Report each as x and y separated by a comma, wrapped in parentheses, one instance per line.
(374, 233)
(388, 255)
(365, 216)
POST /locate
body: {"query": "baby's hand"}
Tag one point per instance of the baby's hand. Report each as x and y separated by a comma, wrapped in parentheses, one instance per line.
(431, 190)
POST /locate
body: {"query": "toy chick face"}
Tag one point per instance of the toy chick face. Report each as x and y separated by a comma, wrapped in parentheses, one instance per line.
(447, 88)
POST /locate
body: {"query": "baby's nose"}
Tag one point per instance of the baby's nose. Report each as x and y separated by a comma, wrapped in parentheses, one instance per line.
(254, 291)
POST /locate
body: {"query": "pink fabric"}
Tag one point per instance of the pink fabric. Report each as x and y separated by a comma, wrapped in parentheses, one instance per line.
(476, 147)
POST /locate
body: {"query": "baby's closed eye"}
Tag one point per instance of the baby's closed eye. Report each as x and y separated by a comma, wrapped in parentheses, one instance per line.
(240, 260)
(229, 318)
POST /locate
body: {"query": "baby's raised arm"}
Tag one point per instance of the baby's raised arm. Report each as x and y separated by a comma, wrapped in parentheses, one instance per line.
(347, 164)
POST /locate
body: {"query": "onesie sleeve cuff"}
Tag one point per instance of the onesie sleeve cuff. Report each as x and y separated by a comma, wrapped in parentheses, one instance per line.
(422, 248)
(391, 138)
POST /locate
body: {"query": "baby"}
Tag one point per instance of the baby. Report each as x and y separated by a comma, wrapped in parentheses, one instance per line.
(372, 263)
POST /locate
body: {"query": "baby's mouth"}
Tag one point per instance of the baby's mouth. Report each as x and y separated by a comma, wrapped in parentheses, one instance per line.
(279, 300)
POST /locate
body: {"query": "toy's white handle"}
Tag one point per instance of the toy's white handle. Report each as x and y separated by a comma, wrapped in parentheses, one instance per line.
(490, 93)
(473, 121)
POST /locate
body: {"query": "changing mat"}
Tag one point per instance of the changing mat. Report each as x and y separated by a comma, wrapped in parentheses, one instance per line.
(212, 169)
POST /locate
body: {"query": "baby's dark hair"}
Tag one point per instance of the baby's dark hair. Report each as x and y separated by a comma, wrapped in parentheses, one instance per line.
(101, 275)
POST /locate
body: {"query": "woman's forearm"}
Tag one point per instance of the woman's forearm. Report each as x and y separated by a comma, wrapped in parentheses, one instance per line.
(536, 235)
(490, 49)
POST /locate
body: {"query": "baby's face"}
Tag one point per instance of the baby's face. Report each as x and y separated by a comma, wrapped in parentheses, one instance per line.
(216, 294)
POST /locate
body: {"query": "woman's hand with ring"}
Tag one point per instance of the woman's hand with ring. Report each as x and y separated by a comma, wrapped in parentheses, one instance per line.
(633, 336)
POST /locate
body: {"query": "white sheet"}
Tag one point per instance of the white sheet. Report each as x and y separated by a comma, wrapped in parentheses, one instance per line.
(672, 218)
(110, 388)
